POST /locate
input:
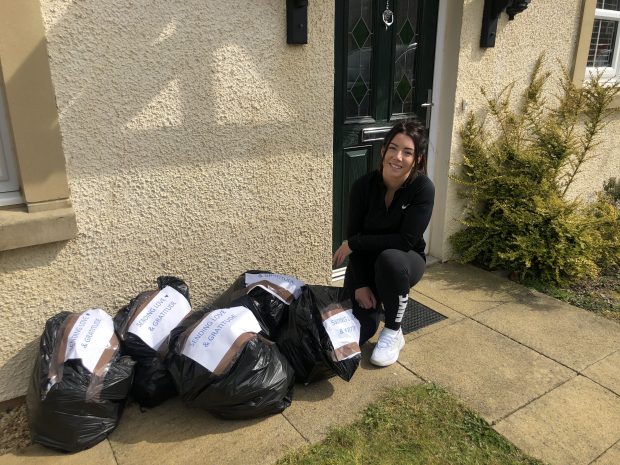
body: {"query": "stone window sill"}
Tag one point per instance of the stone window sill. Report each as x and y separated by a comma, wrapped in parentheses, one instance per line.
(22, 229)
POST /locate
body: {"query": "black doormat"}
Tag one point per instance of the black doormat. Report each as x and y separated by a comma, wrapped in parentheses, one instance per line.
(418, 316)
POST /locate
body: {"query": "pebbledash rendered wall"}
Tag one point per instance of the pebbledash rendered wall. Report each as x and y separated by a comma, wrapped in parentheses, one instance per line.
(197, 143)
(548, 26)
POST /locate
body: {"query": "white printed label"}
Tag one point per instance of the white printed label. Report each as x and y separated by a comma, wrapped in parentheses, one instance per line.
(343, 329)
(213, 337)
(288, 283)
(163, 313)
(89, 337)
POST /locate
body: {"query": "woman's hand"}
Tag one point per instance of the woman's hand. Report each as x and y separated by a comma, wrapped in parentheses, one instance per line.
(343, 252)
(365, 298)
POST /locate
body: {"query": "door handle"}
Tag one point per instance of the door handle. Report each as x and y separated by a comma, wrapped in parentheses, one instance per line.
(429, 106)
(374, 134)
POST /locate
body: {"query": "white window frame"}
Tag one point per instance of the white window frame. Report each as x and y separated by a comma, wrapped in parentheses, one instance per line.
(613, 72)
(9, 181)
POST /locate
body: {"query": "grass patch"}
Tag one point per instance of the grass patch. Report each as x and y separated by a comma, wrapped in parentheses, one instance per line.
(600, 295)
(413, 425)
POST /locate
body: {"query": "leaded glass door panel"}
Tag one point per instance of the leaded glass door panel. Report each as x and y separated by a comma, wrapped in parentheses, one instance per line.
(382, 74)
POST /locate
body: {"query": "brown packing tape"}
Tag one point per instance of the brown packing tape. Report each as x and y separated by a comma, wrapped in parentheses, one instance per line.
(265, 340)
(345, 351)
(185, 335)
(238, 293)
(140, 303)
(233, 352)
(276, 290)
(332, 309)
(164, 348)
(57, 360)
(348, 350)
(93, 392)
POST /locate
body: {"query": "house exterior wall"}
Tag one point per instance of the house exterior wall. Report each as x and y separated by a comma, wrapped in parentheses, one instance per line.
(547, 26)
(197, 143)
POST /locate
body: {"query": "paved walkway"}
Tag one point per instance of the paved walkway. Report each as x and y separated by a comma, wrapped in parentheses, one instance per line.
(545, 374)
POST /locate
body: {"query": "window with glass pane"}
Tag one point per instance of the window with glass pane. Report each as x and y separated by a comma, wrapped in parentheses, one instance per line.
(359, 56)
(603, 43)
(406, 22)
(603, 51)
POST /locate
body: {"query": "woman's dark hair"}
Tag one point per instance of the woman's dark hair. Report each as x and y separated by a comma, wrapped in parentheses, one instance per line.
(417, 131)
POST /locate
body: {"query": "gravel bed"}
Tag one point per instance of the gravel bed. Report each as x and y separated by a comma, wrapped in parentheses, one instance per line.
(14, 432)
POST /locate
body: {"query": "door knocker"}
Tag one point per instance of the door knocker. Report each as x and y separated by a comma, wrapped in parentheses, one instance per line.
(388, 15)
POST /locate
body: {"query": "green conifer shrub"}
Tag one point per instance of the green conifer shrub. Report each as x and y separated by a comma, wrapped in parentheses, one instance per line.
(514, 180)
(611, 189)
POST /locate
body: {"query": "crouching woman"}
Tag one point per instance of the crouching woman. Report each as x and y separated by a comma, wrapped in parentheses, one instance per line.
(389, 210)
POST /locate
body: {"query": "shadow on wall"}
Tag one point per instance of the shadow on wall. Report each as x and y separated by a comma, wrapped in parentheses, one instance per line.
(147, 87)
(201, 86)
(25, 357)
(41, 256)
(542, 27)
(157, 83)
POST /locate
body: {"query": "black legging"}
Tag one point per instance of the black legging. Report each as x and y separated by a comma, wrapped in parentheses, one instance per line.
(395, 272)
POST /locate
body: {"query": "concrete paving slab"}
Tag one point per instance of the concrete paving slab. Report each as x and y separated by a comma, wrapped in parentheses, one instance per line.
(486, 370)
(607, 373)
(101, 454)
(467, 289)
(572, 425)
(172, 433)
(570, 335)
(610, 456)
(321, 405)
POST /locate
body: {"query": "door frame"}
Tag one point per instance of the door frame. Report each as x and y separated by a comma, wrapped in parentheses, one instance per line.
(445, 111)
(445, 72)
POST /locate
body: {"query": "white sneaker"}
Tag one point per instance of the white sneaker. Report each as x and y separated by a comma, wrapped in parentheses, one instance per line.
(388, 347)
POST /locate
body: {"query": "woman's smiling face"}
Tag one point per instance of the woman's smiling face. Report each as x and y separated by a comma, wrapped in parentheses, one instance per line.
(398, 158)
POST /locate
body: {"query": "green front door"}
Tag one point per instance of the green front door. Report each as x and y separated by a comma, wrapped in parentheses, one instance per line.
(383, 73)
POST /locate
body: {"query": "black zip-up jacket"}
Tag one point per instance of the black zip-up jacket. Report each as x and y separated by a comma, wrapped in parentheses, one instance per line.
(373, 228)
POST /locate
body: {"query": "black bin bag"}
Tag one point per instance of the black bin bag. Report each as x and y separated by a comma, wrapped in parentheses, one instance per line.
(221, 364)
(268, 295)
(321, 336)
(143, 327)
(80, 382)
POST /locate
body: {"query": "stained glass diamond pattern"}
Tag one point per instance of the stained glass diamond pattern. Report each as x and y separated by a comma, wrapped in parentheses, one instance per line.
(360, 33)
(359, 90)
(406, 33)
(403, 88)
